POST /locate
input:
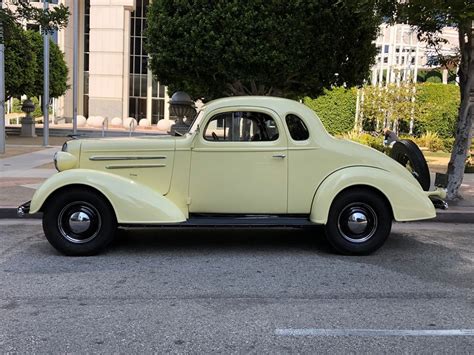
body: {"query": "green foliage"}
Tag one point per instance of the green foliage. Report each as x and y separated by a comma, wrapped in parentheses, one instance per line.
(366, 139)
(20, 61)
(289, 48)
(24, 65)
(432, 141)
(36, 113)
(336, 109)
(389, 106)
(58, 70)
(434, 77)
(435, 109)
(438, 108)
(50, 20)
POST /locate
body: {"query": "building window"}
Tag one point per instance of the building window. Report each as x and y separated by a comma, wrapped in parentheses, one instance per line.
(139, 78)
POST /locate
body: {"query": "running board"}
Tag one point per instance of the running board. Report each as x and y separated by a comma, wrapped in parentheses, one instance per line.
(241, 221)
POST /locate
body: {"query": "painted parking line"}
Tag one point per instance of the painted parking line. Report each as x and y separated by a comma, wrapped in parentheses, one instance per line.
(373, 332)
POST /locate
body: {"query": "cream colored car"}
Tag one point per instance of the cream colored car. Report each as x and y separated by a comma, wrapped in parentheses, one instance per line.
(245, 161)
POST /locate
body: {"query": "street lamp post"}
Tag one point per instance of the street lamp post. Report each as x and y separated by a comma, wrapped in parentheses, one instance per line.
(75, 64)
(2, 88)
(45, 81)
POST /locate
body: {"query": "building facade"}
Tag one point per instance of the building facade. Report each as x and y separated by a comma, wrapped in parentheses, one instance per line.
(401, 55)
(114, 78)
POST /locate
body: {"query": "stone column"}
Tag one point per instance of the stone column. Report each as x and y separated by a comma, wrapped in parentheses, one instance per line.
(109, 57)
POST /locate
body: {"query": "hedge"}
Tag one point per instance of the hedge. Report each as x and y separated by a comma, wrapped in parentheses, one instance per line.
(335, 108)
(436, 108)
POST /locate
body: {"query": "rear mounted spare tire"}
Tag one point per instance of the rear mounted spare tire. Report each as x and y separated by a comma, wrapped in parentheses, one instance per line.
(407, 153)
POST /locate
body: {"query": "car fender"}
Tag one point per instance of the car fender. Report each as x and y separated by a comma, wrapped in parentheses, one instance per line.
(133, 203)
(407, 200)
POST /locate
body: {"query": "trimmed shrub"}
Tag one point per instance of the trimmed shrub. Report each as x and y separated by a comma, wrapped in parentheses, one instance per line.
(335, 108)
(438, 107)
(366, 139)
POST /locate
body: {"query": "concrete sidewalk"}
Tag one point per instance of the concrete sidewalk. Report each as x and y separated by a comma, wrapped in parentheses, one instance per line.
(22, 173)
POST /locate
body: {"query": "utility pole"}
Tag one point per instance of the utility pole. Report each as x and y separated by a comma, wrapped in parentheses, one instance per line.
(2, 87)
(75, 64)
(45, 81)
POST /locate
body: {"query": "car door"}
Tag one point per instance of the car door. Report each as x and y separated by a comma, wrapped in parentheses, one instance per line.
(239, 163)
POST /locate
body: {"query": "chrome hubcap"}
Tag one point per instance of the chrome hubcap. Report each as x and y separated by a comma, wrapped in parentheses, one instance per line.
(79, 222)
(357, 222)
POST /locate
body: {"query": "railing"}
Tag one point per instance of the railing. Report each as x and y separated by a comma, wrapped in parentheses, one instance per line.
(131, 127)
(105, 126)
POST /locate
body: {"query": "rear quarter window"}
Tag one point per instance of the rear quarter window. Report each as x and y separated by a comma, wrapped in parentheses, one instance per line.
(297, 128)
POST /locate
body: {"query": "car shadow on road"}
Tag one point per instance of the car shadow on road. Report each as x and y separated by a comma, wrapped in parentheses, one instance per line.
(222, 239)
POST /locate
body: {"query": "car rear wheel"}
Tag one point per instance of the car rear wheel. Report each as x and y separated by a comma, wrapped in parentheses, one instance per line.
(359, 222)
(79, 222)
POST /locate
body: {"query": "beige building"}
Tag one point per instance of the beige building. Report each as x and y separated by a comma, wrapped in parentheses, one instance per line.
(401, 55)
(114, 80)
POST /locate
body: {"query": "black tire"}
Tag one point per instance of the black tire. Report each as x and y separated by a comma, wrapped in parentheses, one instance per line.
(79, 222)
(407, 153)
(345, 228)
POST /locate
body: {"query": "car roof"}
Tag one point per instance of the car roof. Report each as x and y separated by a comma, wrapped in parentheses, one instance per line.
(275, 103)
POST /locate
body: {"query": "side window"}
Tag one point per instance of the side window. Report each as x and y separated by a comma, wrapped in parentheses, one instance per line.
(241, 126)
(297, 128)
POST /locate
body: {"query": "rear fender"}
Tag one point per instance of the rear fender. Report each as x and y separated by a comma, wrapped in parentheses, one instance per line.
(407, 200)
(132, 202)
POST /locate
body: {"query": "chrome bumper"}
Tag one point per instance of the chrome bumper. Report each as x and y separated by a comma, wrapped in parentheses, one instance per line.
(439, 203)
(23, 209)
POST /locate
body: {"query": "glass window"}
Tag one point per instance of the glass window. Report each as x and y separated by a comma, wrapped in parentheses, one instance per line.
(241, 127)
(297, 128)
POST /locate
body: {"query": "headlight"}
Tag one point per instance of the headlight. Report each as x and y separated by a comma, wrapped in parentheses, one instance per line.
(64, 147)
(64, 161)
(55, 159)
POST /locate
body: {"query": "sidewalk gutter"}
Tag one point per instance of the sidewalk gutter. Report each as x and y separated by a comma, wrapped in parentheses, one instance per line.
(10, 213)
(458, 215)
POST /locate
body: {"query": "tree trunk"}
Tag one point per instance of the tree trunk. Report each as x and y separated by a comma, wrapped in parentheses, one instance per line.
(464, 125)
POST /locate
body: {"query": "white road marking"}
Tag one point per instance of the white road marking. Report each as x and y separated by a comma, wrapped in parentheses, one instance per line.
(373, 332)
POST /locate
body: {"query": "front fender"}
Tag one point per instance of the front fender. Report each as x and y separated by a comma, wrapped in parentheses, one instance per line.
(408, 201)
(132, 202)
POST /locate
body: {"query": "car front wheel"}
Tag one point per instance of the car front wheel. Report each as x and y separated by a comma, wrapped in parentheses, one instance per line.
(359, 222)
(79, 222)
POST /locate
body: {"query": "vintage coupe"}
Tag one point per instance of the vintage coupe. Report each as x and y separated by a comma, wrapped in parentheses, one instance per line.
(244, 161)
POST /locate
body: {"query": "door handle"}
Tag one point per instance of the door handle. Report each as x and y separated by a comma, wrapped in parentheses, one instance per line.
(281, 156)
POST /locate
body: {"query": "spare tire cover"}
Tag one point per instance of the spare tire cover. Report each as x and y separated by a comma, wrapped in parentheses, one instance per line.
(407, 153)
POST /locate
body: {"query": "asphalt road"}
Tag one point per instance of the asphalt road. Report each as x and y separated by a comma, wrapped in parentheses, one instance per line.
(227, 291)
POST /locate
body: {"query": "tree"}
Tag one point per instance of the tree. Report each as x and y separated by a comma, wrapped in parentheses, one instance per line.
(58, 70)
(430, 17)
(286, 48)
(20, 62)
(23, 57)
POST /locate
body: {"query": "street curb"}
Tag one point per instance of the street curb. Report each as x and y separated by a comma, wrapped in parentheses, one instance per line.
(454, 216)
(441, 216)
(10, 213)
